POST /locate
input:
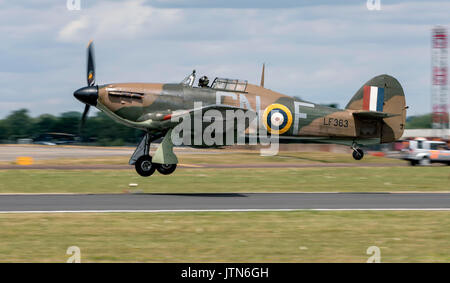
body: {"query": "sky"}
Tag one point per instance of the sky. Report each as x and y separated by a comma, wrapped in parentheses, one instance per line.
(322, 51)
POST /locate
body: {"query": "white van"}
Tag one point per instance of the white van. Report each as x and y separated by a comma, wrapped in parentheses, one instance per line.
(424, 152)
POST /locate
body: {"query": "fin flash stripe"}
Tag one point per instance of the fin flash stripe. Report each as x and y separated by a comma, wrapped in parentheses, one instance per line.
(373, 98)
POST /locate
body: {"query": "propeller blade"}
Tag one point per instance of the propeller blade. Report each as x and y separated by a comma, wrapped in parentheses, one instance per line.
(85, 113)
(90, 64)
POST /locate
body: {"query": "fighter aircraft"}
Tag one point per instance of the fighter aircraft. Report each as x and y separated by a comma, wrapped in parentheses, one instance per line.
(375, 114)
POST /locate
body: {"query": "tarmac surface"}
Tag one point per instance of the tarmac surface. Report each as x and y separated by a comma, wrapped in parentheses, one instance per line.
(39, 152)
(222, 202)
(217, 166)
(9, 153)
(42, 152)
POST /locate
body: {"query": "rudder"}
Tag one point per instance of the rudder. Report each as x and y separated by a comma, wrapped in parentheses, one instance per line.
(383, 93)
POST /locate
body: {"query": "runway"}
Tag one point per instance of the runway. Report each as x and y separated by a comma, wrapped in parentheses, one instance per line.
(199, 166)
(222, 202)
(44, 152)
(9, 153)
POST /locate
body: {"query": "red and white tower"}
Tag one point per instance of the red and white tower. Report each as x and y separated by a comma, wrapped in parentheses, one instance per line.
(439, 81)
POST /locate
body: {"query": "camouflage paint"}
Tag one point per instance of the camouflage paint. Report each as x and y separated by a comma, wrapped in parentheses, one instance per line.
(144, 106)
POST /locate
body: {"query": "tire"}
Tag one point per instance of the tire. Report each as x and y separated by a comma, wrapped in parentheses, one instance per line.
(144, 166)
(425, 161)
(166, 169)
(413, 162)
(358, 154)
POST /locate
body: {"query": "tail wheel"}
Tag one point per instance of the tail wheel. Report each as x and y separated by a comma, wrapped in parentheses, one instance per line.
(144, 166)
(166, 169)
(358, 154)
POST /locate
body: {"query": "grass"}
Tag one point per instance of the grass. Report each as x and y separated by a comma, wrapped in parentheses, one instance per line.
(350, 179)
(283, 157)
(303, 236)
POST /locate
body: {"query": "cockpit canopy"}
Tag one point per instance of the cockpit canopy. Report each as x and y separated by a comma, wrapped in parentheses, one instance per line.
(229, 84)
(189, 80)
(218, 83)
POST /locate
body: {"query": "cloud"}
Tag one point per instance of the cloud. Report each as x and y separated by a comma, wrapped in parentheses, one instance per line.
(124, 20)
(319, 50)
(74, 29)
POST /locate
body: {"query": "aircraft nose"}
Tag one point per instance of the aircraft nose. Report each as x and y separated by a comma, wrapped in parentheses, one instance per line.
(87, 95)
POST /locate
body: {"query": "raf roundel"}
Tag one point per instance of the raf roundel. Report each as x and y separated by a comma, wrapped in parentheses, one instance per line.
(277, 118)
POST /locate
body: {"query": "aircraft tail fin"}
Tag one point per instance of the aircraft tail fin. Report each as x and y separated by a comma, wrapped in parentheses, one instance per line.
(381, 94)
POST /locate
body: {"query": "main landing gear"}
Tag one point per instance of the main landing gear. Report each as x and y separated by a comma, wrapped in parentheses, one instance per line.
(144, 166)
(166, 169)
(142, 160)
(358, 153)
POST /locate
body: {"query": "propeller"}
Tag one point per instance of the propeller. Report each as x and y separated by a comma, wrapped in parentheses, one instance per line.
(90, 64)
(89, 94)
(83, 118)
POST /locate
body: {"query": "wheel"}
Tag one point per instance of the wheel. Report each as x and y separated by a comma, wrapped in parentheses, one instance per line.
(413, 162)
(358, 154)
(425, 161)
(144, 166)
(166, 169)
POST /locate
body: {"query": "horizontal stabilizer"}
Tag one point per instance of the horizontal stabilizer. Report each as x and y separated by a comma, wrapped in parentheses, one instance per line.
(373, 114)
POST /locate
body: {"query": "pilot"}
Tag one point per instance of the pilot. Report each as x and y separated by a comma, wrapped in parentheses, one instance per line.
(203, 81)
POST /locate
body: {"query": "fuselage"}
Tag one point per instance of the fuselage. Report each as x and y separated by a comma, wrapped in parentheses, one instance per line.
(145, 105)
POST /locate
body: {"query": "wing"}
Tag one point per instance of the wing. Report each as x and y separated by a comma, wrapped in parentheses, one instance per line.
(203, 112)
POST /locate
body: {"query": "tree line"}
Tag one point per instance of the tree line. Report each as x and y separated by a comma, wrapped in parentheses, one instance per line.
(99, 129)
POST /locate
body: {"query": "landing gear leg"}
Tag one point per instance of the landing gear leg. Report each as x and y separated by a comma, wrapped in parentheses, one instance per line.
(164, 158)
(141, 158)
(358, 153)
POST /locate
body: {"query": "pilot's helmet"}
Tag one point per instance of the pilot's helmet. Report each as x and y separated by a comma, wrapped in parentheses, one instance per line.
(203, 81)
